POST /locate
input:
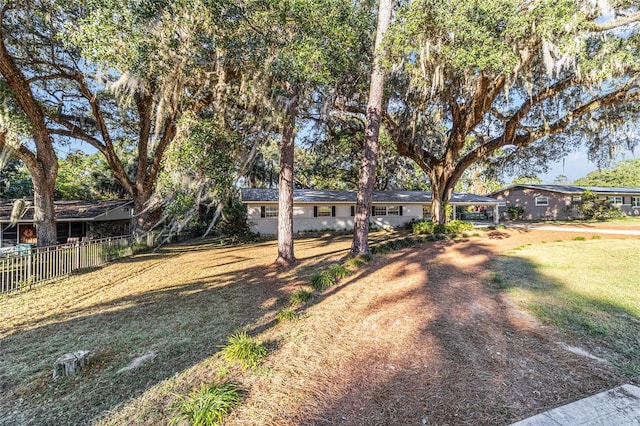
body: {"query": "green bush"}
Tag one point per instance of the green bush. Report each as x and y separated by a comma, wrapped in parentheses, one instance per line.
(431, 228)
(207, 406)
(515, 212)
(244, 350)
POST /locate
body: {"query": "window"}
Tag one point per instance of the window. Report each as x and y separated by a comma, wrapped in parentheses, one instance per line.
(542, 201)
(426, 211)
(386, 211)
(324, 211)
(268, 211)
(393, 210)
(576, 199)
(615, 199)
(379, 210)
(635, 201)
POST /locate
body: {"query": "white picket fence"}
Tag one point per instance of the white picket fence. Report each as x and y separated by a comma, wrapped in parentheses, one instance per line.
(26, 267)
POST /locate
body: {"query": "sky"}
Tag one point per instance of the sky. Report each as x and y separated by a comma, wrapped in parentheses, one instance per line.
(576, 165)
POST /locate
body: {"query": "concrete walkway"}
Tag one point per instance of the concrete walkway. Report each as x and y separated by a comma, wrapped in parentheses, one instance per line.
(570, 229)
(617, 407)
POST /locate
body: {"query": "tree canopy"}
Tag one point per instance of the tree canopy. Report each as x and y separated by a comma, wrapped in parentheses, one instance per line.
(528, 80)
(625, 173)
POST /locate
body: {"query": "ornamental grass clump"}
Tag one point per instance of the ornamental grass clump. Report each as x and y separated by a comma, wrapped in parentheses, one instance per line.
(322, 281)
(301, 297)
(338, 271)
(287, 314)
(207, 406)
(244, 350)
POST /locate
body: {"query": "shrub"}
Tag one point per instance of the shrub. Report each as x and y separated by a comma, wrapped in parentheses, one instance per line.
(207, 406)
(244, 350)
(431, 228)
(301, 297)
(287, 314)
(322, 281)
(423, 227)
(515, 212)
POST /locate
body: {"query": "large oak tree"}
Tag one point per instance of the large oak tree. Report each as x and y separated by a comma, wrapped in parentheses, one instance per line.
(528, 80)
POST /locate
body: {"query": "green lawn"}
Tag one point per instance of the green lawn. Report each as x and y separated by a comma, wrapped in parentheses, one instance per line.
(588, 288)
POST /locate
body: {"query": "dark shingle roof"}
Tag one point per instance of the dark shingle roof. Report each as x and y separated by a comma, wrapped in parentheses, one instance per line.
(341, 196)
(573, 189)
(66, 209)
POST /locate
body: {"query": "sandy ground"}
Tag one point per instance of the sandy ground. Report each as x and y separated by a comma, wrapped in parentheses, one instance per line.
(419, 338)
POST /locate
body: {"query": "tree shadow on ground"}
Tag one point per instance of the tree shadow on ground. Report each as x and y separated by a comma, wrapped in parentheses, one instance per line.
(184, 323)
(444, 347)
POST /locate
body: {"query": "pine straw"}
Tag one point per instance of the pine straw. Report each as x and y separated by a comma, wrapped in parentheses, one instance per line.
(416, 337)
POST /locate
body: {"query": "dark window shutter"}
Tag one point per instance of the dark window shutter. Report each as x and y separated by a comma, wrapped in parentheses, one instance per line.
(263, 211)
(333, 211)
(373, 211)
(400, 210)
(353, 210)
(315, 211)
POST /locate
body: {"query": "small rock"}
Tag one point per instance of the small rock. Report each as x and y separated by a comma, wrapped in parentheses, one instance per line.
(68, 363)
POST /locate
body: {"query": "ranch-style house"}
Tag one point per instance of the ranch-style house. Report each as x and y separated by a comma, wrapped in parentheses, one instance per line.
(76, 219)
(315, 209)
(557, 202)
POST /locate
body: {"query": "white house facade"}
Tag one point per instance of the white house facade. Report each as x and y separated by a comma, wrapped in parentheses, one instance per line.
(334, 209)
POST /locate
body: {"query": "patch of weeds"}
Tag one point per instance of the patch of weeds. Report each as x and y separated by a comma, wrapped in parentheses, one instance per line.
(244, 350)
(354, 262)
(322, 281)
(475, 234)
(465, 235)
(592, 328)
(629, 369)
(207, 406)
(596, 237)
(287, 314)
(301, 297)
(223, 371)
(497, 280)
(579, 239)
(338, 271)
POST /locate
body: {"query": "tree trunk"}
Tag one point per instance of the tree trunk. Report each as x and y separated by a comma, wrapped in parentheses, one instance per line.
(366, 181)
(285, 186)
(441, 192)
(44, 213)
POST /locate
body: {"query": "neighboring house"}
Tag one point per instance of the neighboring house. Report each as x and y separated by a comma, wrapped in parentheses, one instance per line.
(558, 202)
(329, 209)
(75, 220)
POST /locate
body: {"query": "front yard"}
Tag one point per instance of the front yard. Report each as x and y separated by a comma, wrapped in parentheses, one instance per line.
(435, 333)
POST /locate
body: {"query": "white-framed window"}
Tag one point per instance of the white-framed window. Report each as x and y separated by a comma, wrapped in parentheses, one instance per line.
(635, 201)
(387, 211)
(576, 199)
(393, 210)
(542, 201)
(426, 211)
(270, 211)
(379, 210)
(615, 199)
(324, 211)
